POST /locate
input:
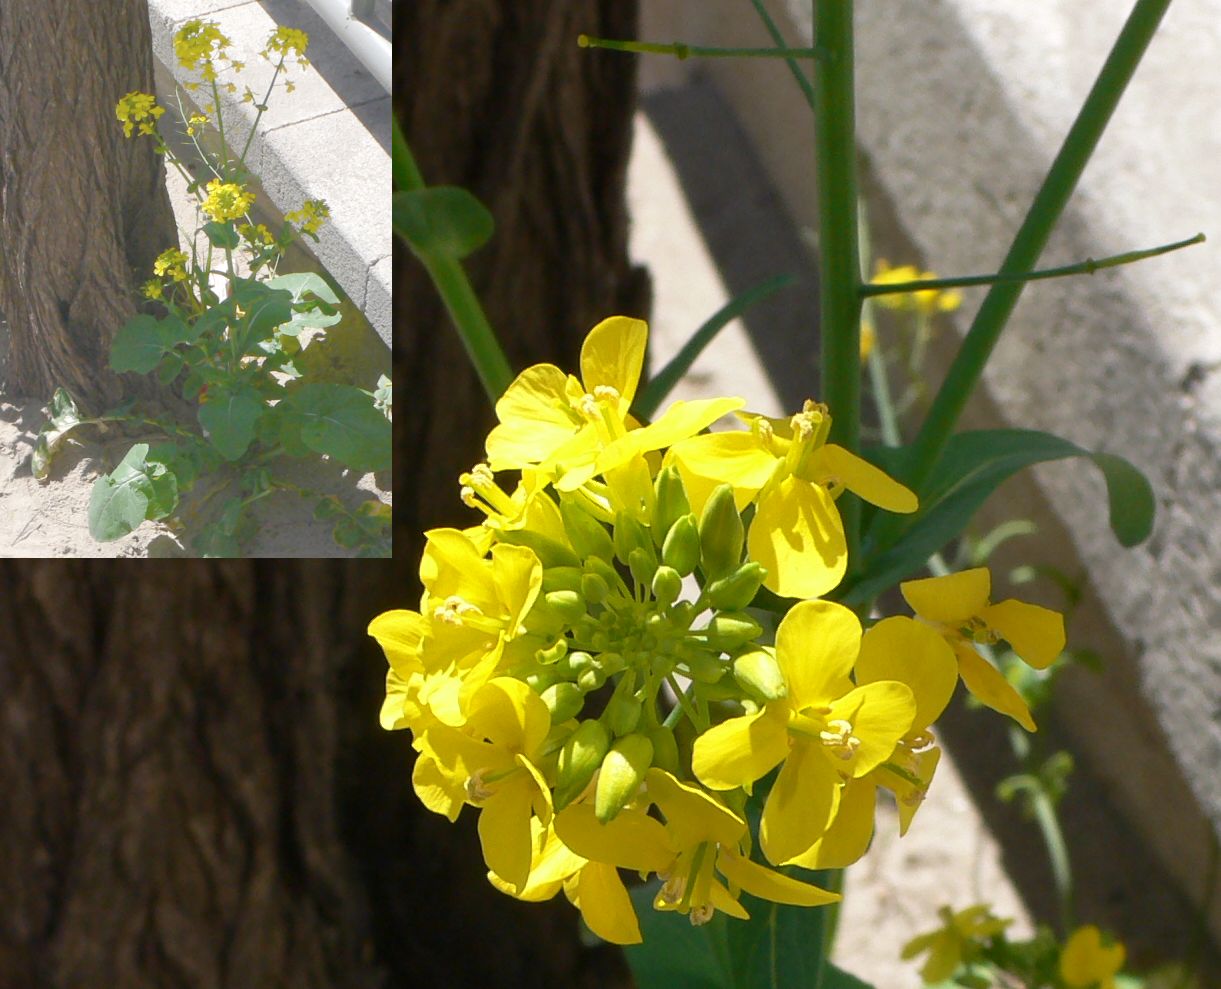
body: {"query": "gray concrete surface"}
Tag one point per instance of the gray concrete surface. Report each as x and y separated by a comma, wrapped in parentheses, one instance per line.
(962, 104)
(330, 139)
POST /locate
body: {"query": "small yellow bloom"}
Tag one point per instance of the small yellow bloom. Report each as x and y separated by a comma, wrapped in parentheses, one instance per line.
(152, 289)
(200, 45)
(286, 41)
(925, 301)
(310, 215)
(227, 201)
(1087, 963)
(955, 942)
(140, 110)
(171, 264)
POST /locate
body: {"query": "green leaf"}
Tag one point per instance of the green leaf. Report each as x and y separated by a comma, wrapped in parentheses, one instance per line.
(230, 416)
(341, 422)
(163, 493)
(213, 542)
(664, 381)
(834, 977)
(974, 465)
(265, 308)
(64, 418)
(139, 345)
(675, 953)
(314, 302)
(120, 500)
(222, 235)
(442, 221)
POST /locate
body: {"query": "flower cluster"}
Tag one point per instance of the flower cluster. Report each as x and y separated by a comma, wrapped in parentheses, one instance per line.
(310, 216)
(226, 201)
(139, 111)
(200, 45)
(587, 670)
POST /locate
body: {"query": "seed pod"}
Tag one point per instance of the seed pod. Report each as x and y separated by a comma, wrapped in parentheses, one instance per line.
(730, 629)
(735, 592)
(671, 497)
(721, 534)
(580, 757)
(667, 586)
(587, 535)
(564, 700)
(681, 549)
(759, 674)
(623, 769)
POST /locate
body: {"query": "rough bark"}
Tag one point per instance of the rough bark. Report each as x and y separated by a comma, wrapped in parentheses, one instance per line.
(83, 210)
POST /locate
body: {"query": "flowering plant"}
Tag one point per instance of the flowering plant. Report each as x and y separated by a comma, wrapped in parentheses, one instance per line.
(227, 336)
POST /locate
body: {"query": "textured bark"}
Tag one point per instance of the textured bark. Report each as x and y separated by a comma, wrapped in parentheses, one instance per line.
(178, 741)
(83, 210)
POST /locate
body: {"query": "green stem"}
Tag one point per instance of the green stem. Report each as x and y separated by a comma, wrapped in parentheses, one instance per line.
(1057, 854)
(1086, 267)
(262, 107)
(404, 169)
(839, 276)
(807, 87)
(1046, 209)
(682, 51)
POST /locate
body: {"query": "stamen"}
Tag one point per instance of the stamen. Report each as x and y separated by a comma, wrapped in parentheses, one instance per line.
(701, 915)
(839, 739)
(977, 631)
(606, 393)
(477, 790)
(454, 610)
(673, 888)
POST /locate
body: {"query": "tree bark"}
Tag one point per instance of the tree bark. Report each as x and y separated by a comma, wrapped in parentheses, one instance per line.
(83, 210)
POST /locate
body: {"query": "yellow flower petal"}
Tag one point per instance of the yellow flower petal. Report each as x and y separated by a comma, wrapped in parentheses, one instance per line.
(510, 715)
(681, 421)
(552, 863)
(400, 634)
(863, 479)
(798, 536)
(692, 816)
(908, 797)
(880, 714)
(987, 683)
(767, 884)
(631, 839)
(535, 419)
(734, 458)
(949, 600)
(1036, 633)
(606, 906)
(903, 649)
(816, 646)
(740, 750)
(847, 839)
(1086, 962)
(504, 830)
(800, 806)
(613, 354)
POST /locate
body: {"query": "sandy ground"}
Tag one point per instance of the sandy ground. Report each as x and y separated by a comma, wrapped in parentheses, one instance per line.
(50, 518)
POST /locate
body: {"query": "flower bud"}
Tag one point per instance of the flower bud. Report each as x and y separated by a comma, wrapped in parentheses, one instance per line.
(643, 565)
(562, 579)
(721, 533)
(587, 535)
(623, 769)
(665, 748)
(579, 759)
(671, 497)
(622, 713)
(735, 592)
(606, 570)
(681, 549)
(568, 605)
(553, 653)
(594, 588)
(630, 534)
(730, 629)
(759, 674)
(572, 664)
(590, 679)
(549, 552)
(703, 666)
(667, 586)
(564, 700)
(610, 663)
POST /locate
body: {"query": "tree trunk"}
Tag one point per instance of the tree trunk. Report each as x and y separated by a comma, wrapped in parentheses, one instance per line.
(83, 210)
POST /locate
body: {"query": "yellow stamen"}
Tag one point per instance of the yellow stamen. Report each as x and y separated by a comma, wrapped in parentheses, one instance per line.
(839, 739)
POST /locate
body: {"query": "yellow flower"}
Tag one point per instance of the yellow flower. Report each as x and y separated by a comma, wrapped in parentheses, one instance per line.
(286, 41)
(958, 606)
(199, 44)
(825, 731)
(925, 301)
(171, 264)
(794, 475)
(226, 201)
(152, 289)
(572, 429)
(194, 122)
(310, 215)
(1087, 963)
(140, 110)
(955, 942)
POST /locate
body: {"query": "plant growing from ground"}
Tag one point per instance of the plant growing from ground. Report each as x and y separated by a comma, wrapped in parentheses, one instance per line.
(223, 331)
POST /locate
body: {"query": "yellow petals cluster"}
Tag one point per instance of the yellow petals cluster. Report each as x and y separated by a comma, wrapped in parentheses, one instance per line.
(286, 42)
(138, 112)
(226, 201)
(310, 216)
(200, 45)
(586, 668)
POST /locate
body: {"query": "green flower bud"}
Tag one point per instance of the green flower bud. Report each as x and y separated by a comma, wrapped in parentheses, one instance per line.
(643, 565)
(572, 664)
(623, 769)
(549, 552)
(730, 629)
(543, 620)
(622, 713)
(594, 588)
(568, 605)
(667, 586)
(630, 534)
(562, 579)
(590, 679)
(610, 663)
(735, 592)
(587, 535)
(682, 614)
(759, 674)
(721, 534)
(579, 759)
(552, 654)
(540, 680)
(564, 700)
(665, 748)
(681, 549)
(604, 569)
(671, 497)
(703, 666)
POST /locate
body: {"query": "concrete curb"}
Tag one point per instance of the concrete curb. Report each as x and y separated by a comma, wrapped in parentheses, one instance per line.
(330, 139)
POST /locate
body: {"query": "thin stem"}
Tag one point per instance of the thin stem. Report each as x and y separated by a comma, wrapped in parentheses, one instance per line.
(839, 274)
(681, 51)
(261, 107)
(406, 173)
(1046, 209)
(1086, 267)
(807, 87)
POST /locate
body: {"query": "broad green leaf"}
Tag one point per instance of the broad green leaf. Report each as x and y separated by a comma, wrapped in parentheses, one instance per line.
(163, 491)
(314, 302)
(973, 466)
(139, 345)
(778, 946)
(834, 977)
(213, 542)
(676, 954)
(222, 235)
(229, 416)
(264, 309)
(341, 422)
(120, 500)
(442, 221)
(64, 418)
(64, 413)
